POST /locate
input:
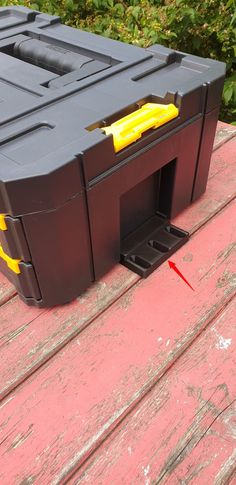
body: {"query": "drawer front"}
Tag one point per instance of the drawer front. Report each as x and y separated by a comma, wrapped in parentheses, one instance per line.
(15, 257)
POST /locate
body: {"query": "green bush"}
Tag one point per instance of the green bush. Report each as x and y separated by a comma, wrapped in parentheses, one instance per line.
(206, 28)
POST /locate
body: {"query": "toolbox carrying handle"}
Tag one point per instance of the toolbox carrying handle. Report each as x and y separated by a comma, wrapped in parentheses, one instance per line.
(130, 128)
(71, 66)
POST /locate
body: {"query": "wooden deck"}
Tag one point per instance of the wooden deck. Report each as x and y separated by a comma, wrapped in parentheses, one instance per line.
(135, 381)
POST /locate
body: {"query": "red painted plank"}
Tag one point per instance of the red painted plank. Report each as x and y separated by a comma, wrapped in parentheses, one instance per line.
(221, 189)
(55, 420)
(7, 291)
(224, 133)
(184, 430)
(221, 161)
(13, 321)
(32, 337)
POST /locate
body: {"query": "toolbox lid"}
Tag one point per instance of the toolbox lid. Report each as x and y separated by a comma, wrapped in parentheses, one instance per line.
(13, 16)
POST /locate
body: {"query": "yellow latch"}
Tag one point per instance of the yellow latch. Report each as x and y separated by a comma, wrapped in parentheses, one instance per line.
(12, 264)
(130, 128)
(3, 226)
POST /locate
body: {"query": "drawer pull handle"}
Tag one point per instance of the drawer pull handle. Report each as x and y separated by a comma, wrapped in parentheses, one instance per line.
(12, 264)
(130, 128)
(3, 226)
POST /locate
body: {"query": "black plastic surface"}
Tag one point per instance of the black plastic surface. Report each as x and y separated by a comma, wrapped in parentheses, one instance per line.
(56, 59)
(13, 241)
(25, 283)
(151, 244)
(109, 203)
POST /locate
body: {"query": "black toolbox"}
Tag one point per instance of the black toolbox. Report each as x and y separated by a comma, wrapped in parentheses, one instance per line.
(101, 144)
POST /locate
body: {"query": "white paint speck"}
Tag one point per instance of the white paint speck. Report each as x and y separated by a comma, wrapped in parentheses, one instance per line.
(146, 471)
(129, 450)
(223, 343)
(159, 339)
(168, 342)
(77, 341)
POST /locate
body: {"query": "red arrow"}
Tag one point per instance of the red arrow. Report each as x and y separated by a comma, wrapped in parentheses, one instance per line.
(173, 266)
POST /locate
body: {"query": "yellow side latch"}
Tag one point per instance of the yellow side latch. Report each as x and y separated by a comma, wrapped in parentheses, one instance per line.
(130, 128)
(3, 226)
(12, 264)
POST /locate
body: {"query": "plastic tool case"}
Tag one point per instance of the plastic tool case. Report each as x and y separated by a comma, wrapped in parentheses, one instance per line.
(101, 144)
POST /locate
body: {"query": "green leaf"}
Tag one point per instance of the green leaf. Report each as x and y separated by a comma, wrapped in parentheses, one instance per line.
(96, 3)
(196, 42)
(233, 18)
(228, 93)
(69, 4)
(190, 13)
(34, 6)
(230, 3)
(119, 9)
(231, 78)
(135, 12)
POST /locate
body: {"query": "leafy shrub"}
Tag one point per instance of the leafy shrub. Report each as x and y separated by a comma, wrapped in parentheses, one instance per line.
(206, 28)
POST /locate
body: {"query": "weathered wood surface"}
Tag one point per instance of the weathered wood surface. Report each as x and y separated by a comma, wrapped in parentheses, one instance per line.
(184, 430)
(7, 291)
(51, 423)
(29, 337)
(221, 189)
(224, 133)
